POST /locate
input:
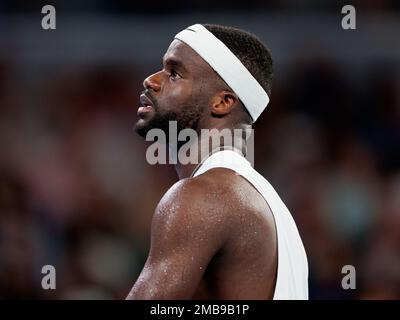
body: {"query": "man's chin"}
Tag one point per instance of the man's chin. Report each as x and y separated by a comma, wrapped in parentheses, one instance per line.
(142, 127)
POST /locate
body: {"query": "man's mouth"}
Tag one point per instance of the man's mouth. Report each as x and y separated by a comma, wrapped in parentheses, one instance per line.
(146, 105)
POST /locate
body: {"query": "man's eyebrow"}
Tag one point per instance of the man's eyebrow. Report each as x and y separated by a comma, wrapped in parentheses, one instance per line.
(173, 62)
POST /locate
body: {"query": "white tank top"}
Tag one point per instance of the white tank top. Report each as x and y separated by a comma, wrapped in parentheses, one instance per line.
(292, 273)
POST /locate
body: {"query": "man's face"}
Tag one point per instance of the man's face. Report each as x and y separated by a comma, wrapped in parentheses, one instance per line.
(180, 92)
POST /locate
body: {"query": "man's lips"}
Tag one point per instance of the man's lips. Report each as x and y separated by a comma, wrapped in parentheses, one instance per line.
(146, 105)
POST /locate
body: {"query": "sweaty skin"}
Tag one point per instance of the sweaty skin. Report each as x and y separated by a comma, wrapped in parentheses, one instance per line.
(212, 236)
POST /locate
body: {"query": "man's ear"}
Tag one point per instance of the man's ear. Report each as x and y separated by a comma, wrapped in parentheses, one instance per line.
(222, 103)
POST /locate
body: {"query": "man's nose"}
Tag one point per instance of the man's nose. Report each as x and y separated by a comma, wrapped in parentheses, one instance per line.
(152, 82)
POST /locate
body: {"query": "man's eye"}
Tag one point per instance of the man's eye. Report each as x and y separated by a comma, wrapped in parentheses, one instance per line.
(173, 74)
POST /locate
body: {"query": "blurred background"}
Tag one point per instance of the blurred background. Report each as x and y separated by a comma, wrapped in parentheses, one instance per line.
(76, 191)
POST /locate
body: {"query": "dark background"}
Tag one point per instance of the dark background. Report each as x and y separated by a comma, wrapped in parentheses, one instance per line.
(76, 191)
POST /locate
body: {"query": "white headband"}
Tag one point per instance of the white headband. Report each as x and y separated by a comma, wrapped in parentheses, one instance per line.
(228, 66)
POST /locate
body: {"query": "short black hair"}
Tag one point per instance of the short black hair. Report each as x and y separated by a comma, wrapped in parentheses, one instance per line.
(250, 50)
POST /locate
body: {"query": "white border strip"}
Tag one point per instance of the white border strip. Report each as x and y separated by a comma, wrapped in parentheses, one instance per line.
(228, 66)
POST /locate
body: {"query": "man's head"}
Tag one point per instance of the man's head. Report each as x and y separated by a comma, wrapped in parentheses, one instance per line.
(189, 91)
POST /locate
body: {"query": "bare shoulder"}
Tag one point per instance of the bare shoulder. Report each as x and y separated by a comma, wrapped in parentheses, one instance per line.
(194, 210)
(209, 193)
(245, 208)
(219, 197)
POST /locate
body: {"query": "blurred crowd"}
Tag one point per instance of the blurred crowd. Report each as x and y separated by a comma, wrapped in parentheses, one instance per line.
(77, 193)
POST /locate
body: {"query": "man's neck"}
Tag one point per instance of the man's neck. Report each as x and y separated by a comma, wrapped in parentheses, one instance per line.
(205, 147)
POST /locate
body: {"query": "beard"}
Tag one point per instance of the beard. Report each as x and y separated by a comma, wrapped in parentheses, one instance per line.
(187, 116)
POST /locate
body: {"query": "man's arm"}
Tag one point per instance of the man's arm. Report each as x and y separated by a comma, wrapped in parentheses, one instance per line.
(188, 228)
